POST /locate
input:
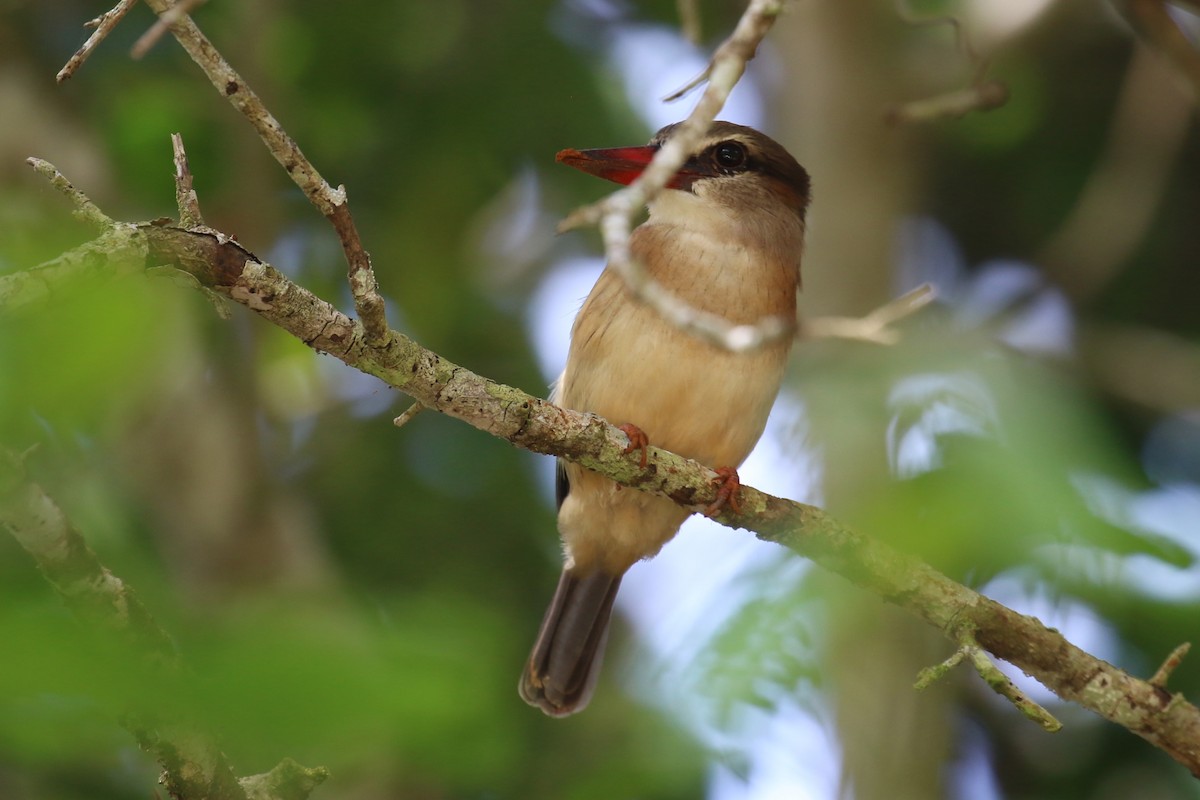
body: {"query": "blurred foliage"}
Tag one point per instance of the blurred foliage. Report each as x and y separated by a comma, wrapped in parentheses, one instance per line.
(361, 598)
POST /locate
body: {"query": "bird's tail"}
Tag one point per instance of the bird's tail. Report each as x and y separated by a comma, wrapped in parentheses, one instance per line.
(562, 669)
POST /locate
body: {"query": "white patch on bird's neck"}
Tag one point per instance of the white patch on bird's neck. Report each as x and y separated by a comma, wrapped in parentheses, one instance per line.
(737, 220)
(689, 211)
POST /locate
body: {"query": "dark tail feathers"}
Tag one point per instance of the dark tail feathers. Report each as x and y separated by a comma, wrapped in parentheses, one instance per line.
(562, 669)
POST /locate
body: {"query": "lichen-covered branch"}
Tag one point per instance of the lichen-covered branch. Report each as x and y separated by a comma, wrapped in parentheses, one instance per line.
(89, 590)
(85, 209)
(222, 265)
(186, 199)
(193, 765)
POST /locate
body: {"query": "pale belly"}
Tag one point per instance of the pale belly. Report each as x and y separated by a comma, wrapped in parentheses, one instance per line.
(688, 396)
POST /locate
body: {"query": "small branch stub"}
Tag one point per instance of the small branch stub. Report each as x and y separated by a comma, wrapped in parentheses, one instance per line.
(408, 415)
(185, 192)
(85, 209)
(1163, 673)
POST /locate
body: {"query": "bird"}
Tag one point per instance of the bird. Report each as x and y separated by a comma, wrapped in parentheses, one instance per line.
(725, 236)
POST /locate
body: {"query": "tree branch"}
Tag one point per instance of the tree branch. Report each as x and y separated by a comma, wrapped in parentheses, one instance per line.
(332, 203)
(963, 615)
(193, 765)
(85, 209)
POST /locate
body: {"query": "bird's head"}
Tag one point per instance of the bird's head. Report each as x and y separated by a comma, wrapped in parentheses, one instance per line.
(735, 167)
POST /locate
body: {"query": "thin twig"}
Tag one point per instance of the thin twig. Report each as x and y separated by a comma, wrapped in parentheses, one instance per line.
(1001, 685)
(329, 201)
(961, 39)
(185, 192)
(103, 25)
(85, 209)
(993, 677)
(984, 96)
(931, 675)
(689, 19)
(978, 95)
(875, 327)
(614, 213)
(687, 88)
(161, 25)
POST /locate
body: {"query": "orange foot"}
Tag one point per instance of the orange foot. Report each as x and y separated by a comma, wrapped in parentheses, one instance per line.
(637, 440)
(728, 485)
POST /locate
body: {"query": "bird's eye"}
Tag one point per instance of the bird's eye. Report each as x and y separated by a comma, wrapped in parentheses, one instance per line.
(730, 155)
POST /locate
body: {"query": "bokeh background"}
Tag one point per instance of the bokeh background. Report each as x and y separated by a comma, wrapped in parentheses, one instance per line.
(361, 597)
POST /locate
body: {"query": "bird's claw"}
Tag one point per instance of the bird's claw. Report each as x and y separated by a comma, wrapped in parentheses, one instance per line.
(728, 486)
(637, 441)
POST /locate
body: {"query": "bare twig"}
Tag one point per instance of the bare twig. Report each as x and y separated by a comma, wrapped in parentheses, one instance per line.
(983, 96)
(85, 209)
(875, 327)
(103, 25)
(687, 88)
(689, 19)
(329, 201)
(978, 95)
(961, 39)
(185, 192)
(163, 24)
(615, 213)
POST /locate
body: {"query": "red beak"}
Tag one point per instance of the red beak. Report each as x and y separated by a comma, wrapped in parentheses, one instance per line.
(624, 164)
